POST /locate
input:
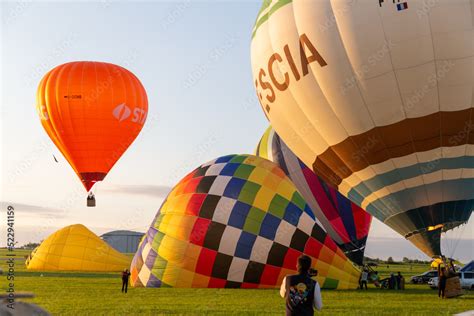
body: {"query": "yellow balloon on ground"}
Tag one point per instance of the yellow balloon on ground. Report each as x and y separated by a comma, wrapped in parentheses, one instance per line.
(76, 248)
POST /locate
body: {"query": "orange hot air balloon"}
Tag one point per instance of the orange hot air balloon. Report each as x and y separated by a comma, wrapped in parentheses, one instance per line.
(92, 111)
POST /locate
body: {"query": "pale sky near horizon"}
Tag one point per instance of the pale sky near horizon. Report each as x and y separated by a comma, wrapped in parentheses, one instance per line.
(193, 59)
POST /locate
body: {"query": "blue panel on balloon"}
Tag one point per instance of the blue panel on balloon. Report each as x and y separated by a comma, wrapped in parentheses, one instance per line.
(224, 159)
(292, 214)
(269, 226)
(233, 188)
(245, 245)
(239, 214)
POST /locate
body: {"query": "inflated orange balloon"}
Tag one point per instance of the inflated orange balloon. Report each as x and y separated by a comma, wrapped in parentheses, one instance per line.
(92, 111)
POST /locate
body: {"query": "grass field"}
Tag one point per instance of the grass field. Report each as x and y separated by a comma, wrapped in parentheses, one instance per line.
(99, 294)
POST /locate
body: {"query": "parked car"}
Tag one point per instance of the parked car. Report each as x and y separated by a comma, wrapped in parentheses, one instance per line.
(466, 278)
(424, 277)
(433, 283)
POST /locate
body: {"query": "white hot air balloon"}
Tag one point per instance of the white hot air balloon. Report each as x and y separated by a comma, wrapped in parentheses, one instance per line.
(377, 97)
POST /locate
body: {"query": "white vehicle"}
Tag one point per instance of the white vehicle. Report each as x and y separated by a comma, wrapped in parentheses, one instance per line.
(466, 274)
(433, 283)
(466, 278)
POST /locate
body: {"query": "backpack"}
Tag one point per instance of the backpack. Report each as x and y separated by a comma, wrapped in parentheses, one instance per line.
(300, 293)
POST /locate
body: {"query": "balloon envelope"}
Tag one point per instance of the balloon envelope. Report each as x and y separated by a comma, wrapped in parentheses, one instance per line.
(76, 248)
(92, 111)
(346, 223)
(377, 98)
(236, 221)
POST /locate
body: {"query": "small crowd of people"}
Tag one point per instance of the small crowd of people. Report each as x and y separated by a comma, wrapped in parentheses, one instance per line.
(393, 282)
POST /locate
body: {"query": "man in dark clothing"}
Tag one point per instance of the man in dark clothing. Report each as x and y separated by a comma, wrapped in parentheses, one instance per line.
(441, 282)
(125, 276)
(301, 292)
(392, 282)
(400, 281)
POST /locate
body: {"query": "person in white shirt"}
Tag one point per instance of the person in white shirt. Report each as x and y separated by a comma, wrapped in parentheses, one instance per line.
(363, 279)
(302, 293)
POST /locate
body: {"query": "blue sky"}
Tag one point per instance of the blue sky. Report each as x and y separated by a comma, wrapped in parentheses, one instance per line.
(193, 59)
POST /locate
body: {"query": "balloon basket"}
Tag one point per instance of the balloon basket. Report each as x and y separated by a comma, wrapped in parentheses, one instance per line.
(453, 287)
(91, 201)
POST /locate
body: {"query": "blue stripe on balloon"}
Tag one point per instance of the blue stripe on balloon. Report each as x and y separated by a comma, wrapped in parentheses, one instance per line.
(278, 156)
(365, 188)
(345, 211)
(407, 199)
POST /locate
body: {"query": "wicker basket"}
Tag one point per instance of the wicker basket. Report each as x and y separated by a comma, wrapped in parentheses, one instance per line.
(453, 287)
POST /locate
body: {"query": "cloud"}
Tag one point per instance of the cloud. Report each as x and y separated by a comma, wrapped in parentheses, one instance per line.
(158, 191)
(32, 210)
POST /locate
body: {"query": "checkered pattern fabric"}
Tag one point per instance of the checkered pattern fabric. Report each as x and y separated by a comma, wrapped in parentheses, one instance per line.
(236, 221)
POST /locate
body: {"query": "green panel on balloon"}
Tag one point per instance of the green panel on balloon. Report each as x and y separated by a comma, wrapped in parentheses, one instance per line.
(249, 191)
(278, 206)
(330, 283)
(243, 171)
(298, 200)
(254, 221)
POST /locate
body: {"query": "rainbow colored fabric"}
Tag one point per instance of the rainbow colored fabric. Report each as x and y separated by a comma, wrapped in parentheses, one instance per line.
(238, 222)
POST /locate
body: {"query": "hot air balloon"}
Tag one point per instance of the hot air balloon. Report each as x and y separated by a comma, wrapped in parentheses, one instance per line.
(239, 222)
(76, 248)
(92, 111)
(376, 97)
(346, 223)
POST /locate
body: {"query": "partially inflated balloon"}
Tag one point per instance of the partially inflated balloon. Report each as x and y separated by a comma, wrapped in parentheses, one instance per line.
(346, 223)
(76, 248)
(92, 111)
(377, 98)
(236, 221)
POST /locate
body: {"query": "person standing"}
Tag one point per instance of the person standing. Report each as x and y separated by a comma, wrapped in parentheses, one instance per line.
(400, 281)
(376, 278)
(441, 282)
(392, 282)
(301, 292)
(363, 279)
(125, 276)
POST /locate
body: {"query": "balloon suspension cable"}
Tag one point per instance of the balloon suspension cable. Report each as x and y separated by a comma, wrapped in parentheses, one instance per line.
(453, 243)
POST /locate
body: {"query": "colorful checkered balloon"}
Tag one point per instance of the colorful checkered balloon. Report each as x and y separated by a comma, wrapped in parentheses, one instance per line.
(238, 222)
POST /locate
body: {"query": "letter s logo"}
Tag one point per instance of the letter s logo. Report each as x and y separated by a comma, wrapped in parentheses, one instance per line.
(121, 112)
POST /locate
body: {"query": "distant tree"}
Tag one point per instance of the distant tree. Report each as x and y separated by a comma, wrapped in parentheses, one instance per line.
(390, 260)
(406, 260)
(30, 245)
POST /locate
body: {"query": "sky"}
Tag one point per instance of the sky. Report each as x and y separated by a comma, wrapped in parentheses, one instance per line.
(193, 58)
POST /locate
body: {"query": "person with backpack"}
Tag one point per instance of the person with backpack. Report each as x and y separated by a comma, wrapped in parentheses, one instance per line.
(301, 292)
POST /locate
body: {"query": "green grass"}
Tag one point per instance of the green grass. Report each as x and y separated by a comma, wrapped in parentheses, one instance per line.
(76, 293)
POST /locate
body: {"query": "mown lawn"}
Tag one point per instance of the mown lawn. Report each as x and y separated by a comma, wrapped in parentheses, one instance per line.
(99, 294)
